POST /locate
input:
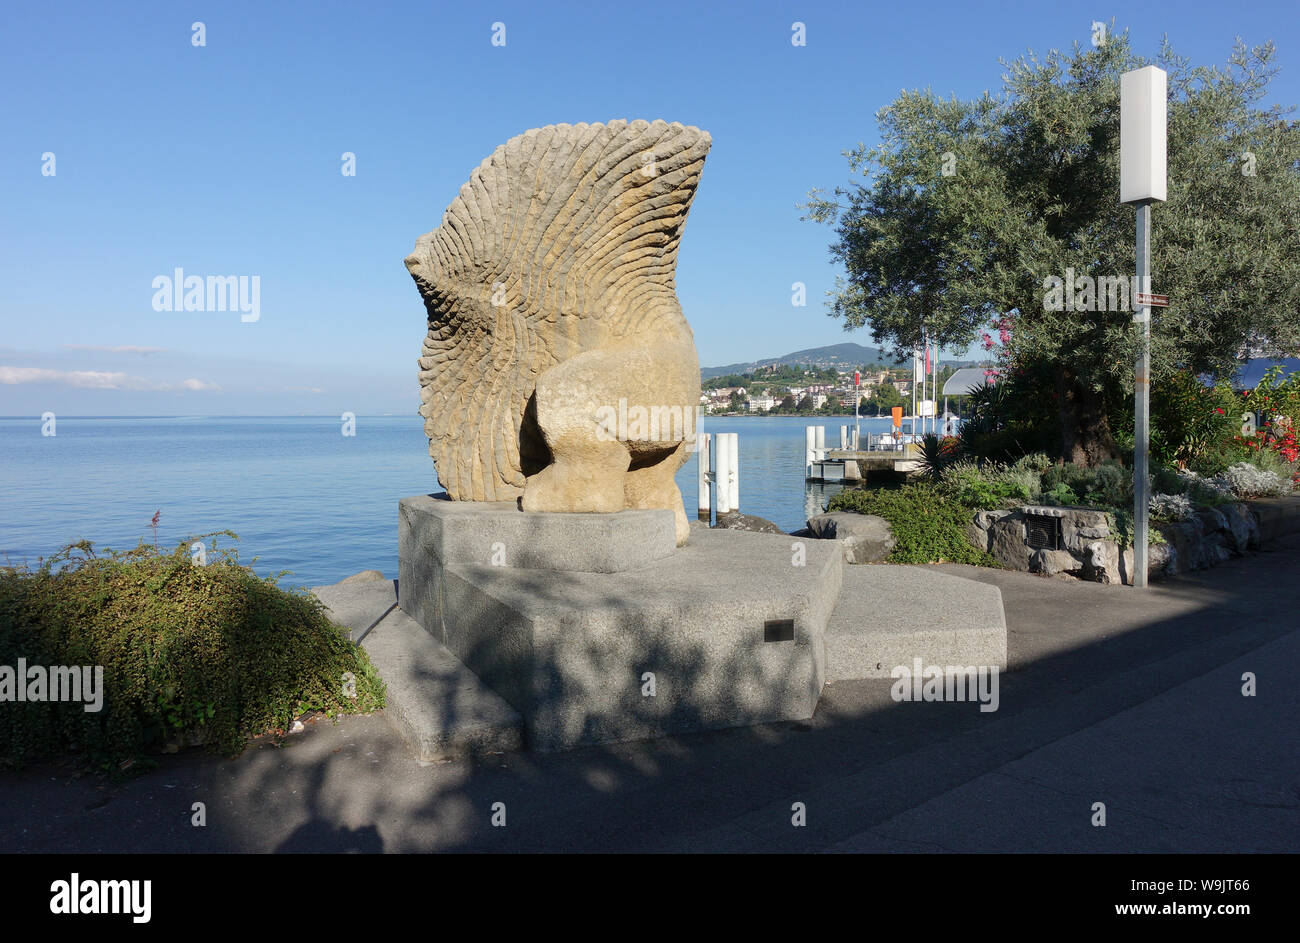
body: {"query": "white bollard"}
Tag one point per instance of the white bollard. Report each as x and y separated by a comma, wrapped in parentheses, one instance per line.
(809, 449)
(821, 442)
(733, 470)
(703, 453)
(722, 462)
(844, 437)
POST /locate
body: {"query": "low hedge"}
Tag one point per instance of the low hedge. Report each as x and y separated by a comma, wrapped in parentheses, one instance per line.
(192, 655)
(929, 525)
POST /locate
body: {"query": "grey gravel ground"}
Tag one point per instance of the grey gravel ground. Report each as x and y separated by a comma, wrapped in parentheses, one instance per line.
(1129, 699)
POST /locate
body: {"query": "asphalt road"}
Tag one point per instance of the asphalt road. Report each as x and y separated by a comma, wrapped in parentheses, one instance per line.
(1129, 699)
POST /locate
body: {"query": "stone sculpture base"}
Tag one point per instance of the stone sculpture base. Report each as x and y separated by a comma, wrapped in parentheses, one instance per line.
(595, 628)
(725, 631)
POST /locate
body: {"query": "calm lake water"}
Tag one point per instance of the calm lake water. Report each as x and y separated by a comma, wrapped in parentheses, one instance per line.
(300, 495)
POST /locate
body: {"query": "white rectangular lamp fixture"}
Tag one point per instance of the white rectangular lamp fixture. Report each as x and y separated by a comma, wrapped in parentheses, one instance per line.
(1142, 123)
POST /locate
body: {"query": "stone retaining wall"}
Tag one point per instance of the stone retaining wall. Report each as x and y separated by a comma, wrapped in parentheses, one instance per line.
(1089, 549)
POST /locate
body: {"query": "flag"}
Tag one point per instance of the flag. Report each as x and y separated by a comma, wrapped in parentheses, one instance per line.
(857, 378)
(928, 371)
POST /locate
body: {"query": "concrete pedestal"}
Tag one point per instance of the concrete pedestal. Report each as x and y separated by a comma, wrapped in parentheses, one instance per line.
(597, 628)
(603, 636)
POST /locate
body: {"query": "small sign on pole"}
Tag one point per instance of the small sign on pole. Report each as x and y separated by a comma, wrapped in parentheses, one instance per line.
(1153, 301)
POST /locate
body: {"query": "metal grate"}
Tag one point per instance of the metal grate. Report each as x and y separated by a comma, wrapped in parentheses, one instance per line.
(778, 630)
(1042, 532)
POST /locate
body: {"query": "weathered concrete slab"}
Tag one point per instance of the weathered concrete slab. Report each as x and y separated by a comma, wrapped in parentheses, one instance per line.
(890, 615)
(498, 533)
(437, 704)
(728, 630)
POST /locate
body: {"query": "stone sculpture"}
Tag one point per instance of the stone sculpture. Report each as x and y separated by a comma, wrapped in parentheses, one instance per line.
(558, 367)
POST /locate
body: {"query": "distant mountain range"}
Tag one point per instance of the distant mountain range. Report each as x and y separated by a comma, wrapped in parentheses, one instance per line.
(839, 356)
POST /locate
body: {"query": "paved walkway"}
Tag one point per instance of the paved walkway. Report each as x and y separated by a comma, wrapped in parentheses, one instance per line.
(1129, 699)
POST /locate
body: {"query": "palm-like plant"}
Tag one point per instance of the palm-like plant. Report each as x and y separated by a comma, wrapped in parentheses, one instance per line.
(936, 454)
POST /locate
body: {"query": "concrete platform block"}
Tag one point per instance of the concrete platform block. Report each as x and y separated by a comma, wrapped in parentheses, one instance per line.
(437, 704)
(890, 615)
(726, 631)
(356, 605)
(498, 533)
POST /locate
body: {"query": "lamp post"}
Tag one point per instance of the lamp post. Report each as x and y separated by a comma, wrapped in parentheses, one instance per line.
(1142, 181)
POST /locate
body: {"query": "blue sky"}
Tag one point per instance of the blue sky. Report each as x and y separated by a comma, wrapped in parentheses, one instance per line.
(226, 160)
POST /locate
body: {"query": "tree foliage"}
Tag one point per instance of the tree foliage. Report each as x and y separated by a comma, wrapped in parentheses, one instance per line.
(967, 210)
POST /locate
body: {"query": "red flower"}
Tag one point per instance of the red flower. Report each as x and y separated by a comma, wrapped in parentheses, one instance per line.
(1219, 411)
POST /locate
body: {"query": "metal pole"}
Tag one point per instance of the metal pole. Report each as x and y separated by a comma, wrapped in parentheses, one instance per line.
(703, 452)
(915, 371)
(1142, 403)
(857, 401)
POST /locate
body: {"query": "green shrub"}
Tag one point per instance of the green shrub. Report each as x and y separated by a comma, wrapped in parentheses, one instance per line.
(1037, 462)
(1121, 530)
(989, 486)
(1251, 481)
(1011, 418)
(1060, 495)
(1112, 486)
(1171, 507)
(1168, 480)
(1215, 461)
(1075, 477)
(1106, 485)
(1192, 423)
(929, 525)
(1271, 461)
(191, 655)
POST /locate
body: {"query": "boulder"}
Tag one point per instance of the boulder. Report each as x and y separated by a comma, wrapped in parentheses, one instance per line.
(1188, 540)
(1007, 542)
(1054, 562)
(978, 531)
(864, 538)
(1213, 520)
(1101, 562)
(734, 520)
(1242, 527)
(1162, 560)
(1080, 528)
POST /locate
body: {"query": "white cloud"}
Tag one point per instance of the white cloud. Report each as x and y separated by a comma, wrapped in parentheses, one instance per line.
(122, 349)
(94, 379)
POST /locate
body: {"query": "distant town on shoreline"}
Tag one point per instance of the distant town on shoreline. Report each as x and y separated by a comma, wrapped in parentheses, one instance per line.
(816, 381)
